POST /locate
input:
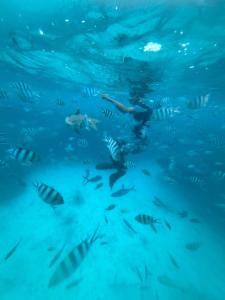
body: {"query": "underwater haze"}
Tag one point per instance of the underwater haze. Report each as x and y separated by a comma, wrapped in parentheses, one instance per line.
(112, 150)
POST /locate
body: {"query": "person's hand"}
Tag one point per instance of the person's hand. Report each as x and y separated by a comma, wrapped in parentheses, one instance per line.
(105, 96)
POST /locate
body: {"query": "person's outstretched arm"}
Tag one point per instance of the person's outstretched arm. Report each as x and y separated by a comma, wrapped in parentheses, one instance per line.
(121, 107)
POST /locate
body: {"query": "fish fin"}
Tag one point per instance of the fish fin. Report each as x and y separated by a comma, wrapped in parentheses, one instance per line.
(95, 236)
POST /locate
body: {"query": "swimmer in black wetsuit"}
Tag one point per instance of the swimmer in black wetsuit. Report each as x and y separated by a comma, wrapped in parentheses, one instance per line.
(142, 114)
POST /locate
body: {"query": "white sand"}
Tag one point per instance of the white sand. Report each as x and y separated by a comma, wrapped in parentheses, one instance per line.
(107, 270)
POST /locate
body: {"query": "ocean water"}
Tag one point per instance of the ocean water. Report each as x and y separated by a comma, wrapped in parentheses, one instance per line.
(68, 228)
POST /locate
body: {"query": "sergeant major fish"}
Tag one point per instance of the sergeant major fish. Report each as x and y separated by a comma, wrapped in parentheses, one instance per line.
(163, 113)
(48, 194)
(108, 114)
(25, 156)
(198, 102)
(73, 260)
(147, 220)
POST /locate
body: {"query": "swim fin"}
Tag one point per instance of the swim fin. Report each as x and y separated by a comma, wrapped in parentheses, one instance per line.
(115, 176)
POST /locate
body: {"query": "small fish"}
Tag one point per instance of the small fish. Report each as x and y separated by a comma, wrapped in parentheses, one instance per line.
(98, 186)
(92, 179)
(146, 172)
(28, 132)
(173, 261)
(90, 92)
(23, 155)
(106, 219)
(183, 214)
(147, 220)
(104, 243)
(57, 256)
(163, 113)
(51, 248)
(110, 207)
(82, 143)
(129, 226)
(167, 224)
(11, 252)
(3, 94)
(108, 114)
(48, 194)
(73, 260)
(198, 102)
(193, 246)
(138, 273)
(195, 220)
(60, 102)
(124, 211)
(73, 284)
(168, 282)
(197, 180)
(122, 192)
(158, 202)
(86, 161)
(24, 92)
(129, 164)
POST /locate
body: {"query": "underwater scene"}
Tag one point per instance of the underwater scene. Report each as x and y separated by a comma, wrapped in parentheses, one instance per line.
(112, 150)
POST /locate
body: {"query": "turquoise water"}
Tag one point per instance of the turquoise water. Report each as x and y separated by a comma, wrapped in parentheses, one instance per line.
(72, 229)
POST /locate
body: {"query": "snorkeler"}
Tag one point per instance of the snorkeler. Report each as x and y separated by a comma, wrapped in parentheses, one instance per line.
(141, 113)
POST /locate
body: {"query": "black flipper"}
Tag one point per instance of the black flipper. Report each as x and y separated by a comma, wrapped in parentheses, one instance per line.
(105, 166)
(115, 176)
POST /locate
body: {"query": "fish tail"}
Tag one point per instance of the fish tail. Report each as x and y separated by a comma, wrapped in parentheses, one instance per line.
(85, 180)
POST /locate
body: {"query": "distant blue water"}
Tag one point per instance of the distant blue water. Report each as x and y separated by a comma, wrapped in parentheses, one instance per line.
(163, 236)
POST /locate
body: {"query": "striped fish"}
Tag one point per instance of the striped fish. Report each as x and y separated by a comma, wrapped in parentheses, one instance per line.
(24, 155)
(147, 220)
(28, 132)
(3, 94)
(83, 143)
(196, 180)
(48, 194)
(108, 113)
(73, 260)
(24, 92)
(163, 113)
(198, 102)
(90, 92)
(113, 148)
(217, 141)
(60, 102)
(129, 164)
